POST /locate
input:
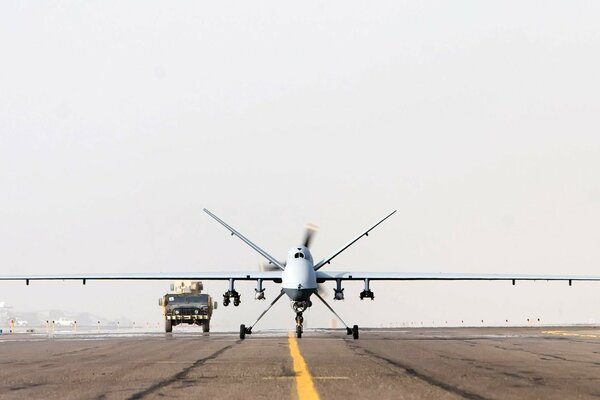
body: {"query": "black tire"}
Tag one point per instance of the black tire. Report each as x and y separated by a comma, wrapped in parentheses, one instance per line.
(355, 332)
(206, 326)
(242, 332)
(298, 332)
(168, 326)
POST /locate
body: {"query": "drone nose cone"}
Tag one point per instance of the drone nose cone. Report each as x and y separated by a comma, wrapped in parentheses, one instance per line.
(299, 274)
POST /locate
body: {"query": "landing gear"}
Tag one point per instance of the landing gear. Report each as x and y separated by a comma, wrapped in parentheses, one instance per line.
(349, 331)
(245, 331)
(355, 332)
(299, 322)
(301, 306)
(248, 330)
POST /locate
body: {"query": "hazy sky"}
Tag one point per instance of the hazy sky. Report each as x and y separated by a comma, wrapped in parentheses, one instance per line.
(478, 121)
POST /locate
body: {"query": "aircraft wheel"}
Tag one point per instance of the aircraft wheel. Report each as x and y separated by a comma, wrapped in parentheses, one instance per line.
(242, 331)
(355, 332)
(168, 326)
(298, 332)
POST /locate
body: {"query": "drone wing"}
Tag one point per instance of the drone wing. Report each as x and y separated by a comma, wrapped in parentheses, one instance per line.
(323, 276)
(350, 243)
(274, 276)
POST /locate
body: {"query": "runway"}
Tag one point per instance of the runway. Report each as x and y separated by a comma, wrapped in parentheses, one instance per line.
(468, 363)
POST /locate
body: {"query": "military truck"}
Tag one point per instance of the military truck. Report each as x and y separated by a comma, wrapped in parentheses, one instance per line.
(186, 304)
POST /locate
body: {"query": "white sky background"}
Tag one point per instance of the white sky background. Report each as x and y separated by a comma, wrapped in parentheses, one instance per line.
(478, 121)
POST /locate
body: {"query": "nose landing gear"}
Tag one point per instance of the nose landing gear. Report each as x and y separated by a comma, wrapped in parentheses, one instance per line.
(299, 322)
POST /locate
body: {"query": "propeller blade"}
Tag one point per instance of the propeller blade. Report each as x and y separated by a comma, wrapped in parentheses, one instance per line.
(311, 229)
(265, 266)
(322, 289)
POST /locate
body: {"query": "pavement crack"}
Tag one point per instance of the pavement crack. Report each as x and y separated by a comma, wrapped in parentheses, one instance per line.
(180, 375)
(423, 377)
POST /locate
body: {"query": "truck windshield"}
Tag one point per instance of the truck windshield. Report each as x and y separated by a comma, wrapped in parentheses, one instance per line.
(200, 298)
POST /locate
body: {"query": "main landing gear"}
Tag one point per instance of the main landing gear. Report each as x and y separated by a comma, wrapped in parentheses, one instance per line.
(349, 331)
(247, 330)
(299, 307)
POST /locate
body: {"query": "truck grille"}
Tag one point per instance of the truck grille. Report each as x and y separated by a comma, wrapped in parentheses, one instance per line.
(189, 311)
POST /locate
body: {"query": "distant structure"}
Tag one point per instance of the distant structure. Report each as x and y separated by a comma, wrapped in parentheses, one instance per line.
(4, 312)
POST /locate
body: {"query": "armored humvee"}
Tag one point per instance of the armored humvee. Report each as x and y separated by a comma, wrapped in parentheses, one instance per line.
(187, 305)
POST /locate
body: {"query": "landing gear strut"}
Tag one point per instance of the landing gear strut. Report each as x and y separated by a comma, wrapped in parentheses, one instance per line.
(350, 331)
(248, 330)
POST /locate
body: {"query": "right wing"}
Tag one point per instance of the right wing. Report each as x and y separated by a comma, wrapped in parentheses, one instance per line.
(323, 276)
(350, 243)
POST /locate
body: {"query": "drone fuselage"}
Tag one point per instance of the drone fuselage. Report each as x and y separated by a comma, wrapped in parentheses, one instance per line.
(299, 280)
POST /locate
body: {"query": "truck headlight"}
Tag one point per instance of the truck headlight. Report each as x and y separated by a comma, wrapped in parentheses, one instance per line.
(196, 311)
(176, 311)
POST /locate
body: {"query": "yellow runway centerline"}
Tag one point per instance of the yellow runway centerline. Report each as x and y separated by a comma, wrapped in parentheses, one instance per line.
(304, 383)
(575, 334)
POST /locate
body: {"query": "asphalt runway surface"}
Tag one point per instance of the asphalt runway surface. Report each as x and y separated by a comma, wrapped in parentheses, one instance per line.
(469, 363)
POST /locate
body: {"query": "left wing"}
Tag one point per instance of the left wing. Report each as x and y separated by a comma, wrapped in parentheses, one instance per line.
(274, 276)
(263, 253)
(323, 276)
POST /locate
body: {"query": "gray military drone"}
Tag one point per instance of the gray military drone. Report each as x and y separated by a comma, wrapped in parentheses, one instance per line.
(299, 277)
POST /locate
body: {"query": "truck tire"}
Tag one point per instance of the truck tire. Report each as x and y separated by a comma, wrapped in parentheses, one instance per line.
(168, 326)
(206, 326)
(242, 332)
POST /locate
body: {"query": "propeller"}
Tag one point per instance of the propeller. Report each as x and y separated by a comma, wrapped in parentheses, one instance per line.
(311, 229)
(265, 266)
